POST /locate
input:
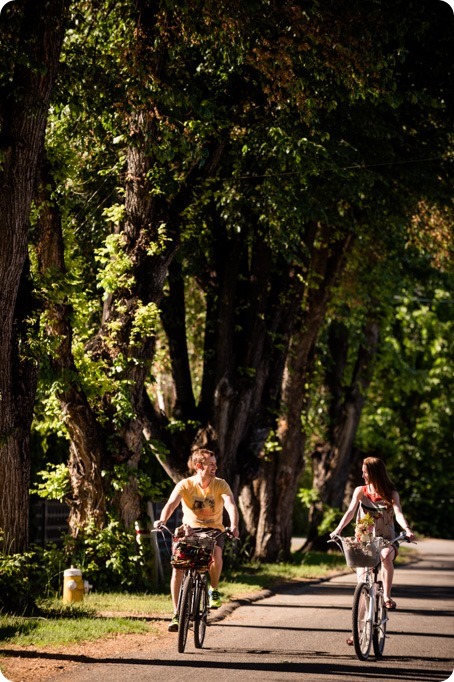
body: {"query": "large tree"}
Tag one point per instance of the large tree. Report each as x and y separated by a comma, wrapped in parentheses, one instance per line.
(105, 426)
(256, 145)
(166, 161)
(31, 35)
(381, 274)
(358, 192)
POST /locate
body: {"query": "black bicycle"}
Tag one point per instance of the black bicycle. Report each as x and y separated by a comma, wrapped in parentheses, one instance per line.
(369, 612)
(193, 554)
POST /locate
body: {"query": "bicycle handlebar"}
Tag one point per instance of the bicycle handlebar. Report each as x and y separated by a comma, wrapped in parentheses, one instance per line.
(227, 531)
(402, 537)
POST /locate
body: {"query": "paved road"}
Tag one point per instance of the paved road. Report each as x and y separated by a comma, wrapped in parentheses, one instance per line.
(299, 634)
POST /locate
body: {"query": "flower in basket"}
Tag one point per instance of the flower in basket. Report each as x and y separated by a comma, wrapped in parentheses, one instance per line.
(364, 528)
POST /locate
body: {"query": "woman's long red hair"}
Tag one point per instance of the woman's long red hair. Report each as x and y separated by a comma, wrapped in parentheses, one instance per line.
(379, 478)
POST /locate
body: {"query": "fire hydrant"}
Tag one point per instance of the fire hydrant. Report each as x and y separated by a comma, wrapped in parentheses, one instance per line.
(73, 585)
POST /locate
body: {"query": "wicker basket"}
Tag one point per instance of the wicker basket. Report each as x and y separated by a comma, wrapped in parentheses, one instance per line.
(360, 554)
(193, 551)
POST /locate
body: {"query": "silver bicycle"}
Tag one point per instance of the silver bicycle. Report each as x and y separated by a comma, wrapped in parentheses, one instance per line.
(369, 613)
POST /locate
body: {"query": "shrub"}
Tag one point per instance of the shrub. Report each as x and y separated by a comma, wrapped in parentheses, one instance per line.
(16, 588)
(109, 558)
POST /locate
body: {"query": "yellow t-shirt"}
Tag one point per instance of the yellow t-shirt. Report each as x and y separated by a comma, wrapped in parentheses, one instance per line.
(203, 507)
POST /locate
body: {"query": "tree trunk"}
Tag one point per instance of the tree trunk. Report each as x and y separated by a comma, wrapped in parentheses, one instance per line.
(173, 315)
(333, 460)
(118, 343)
(24, 107)
(86, 500)
(244, 357)
(252, 312)
(278, 482)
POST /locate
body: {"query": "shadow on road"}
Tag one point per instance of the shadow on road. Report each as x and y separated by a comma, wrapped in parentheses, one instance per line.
(385, 669)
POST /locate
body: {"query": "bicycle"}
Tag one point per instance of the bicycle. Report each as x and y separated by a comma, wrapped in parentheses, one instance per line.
(193, 553)
(369, 612)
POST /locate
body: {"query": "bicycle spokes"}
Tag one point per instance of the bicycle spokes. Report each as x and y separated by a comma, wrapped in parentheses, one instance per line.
(362, 615)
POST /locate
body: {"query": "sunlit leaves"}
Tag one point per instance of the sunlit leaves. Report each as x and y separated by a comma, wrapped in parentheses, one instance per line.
(116, 272)
(408, 417)
(55, 483)
(145, 322)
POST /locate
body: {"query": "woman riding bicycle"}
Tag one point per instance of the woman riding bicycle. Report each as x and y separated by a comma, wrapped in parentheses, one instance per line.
(203, 497)
(379, 498)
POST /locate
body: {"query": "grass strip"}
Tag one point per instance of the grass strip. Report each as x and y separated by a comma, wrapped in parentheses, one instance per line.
(101, 615)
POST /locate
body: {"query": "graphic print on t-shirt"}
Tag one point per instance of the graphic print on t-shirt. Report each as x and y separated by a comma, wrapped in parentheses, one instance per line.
(203, 506)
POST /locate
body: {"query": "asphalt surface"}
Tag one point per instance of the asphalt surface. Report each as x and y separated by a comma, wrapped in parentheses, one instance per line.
(299, 633)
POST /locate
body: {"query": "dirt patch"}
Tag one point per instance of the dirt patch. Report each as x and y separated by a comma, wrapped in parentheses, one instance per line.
(26, 664)
(45, 664)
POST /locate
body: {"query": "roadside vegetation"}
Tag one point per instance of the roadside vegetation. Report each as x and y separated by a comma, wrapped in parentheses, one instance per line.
(106, 614)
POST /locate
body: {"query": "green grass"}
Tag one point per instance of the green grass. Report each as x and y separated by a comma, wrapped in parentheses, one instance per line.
(101, 615)
(254, 576)
(132, 604)
(49, 631)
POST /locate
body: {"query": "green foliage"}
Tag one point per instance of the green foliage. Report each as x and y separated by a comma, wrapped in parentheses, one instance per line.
(56, 483)
(108, 557)
(408, 420)
(330, 515)
(17, 589)
(272, 446)
(145, 322)
(116, 265)
(122, 474)
(30, 576)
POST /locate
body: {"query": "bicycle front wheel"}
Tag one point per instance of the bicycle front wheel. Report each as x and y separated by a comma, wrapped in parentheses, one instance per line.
(200, 611)
(380, 621)
(185, 611)
(362, 618)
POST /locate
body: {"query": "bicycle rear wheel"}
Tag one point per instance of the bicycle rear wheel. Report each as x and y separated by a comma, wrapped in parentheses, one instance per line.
(380, 621)
(185, 611)
(200, 611)
(362, 621)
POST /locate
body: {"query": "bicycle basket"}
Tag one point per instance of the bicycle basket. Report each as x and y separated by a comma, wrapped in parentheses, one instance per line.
(360, 554)
(193, 551)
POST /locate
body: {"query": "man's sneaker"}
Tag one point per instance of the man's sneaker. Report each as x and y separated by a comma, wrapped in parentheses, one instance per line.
(215, 599)
(173, 626)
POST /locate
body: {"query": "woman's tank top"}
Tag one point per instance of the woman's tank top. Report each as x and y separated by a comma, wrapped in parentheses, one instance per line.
(381, 511)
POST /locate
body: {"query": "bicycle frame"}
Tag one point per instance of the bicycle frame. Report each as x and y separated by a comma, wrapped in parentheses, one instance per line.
(369, 629)
(192, 608)
(192, 605)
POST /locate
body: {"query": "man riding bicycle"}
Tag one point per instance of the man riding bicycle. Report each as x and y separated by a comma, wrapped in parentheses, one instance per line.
(203, 498)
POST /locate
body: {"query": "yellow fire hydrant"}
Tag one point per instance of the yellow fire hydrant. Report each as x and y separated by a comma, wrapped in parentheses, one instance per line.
(73, 585)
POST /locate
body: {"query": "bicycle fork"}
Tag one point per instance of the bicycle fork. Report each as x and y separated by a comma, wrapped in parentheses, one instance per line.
(382, 613)
(371, 604)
